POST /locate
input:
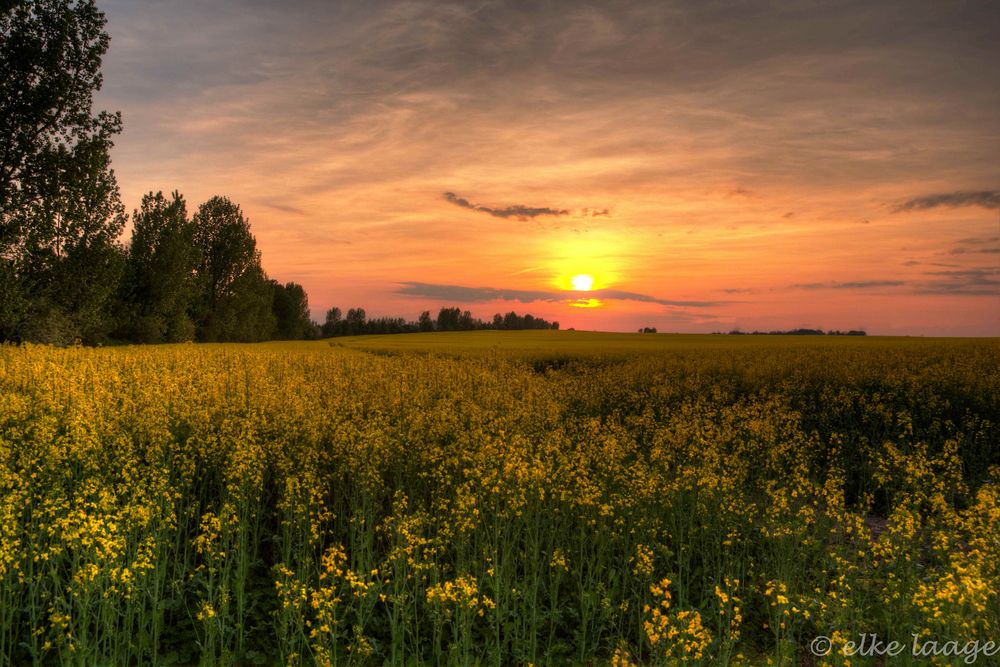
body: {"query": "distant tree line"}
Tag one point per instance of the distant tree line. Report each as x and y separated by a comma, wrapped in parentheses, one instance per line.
(797, 332)
(355, 322)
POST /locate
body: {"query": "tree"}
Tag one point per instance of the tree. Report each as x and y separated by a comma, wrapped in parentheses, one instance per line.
(50, 61)
(291, 311)
(67, 257)
(333, 324)
(424, 322)
(161, 284)
(236, 298)
(448, 319)
(355, 321)
(60, 210)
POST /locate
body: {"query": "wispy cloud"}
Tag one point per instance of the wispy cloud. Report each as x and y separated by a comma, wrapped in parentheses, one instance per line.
(632, 296)
(284, 208)
(518, 211)
(853, 284)
(463, 294)
(970, 282)
(975, 251)
(983, 198)
(978, 240)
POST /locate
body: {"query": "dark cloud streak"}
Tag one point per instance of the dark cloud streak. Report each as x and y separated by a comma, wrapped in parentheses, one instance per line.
(518, 211)
(968, 282)
(854, 284)
(985, 199)
(464, 294)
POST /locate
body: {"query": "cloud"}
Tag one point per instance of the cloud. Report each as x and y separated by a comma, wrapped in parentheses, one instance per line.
(471, 294)
(518, 211)
(976, 240)
(965, 273)
(855, 284)
(965, 282)
(971, 282)
(985, 251)
(985, 198)
(464, 294)
(976, 245)
(632, 296)
(284, 208)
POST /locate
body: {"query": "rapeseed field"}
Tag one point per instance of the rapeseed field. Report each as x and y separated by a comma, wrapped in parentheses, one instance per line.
(551, 498)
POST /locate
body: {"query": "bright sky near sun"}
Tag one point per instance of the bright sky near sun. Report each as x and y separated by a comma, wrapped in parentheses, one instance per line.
(690, 166)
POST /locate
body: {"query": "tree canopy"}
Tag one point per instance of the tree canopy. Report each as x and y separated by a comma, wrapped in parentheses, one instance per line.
(161, 285)
(60, 209)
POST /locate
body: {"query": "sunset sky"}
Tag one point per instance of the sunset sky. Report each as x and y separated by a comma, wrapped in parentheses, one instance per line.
(711, 165)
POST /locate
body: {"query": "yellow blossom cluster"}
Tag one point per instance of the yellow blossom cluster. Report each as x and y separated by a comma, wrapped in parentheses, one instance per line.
(710, 500)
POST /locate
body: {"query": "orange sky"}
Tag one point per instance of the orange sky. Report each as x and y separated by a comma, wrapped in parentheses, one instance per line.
(831, 166)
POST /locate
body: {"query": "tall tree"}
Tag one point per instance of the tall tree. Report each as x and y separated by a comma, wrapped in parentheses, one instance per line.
(236, 298)
(160, 284)
(291, 312)
(60, 210)
(333, 324)
(448, 319)
(356, 321)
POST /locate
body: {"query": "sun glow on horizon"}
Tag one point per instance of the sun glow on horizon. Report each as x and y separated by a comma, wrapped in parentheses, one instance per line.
(585, 303)
(582, 282)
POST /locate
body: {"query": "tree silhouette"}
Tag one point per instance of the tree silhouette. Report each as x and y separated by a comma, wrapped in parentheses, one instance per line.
(291, 312)
(60, 210)
(236, 298)
(160, 285)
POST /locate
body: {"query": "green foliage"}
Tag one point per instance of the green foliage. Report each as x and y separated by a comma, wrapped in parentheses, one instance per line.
(50, 59)
(68, 257)
(332, 323)
(60, 212)
(236, 298)
(424, 322)
(161, 285)
(291, 310)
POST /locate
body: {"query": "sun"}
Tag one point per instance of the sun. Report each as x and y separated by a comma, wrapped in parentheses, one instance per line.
(582, 282)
